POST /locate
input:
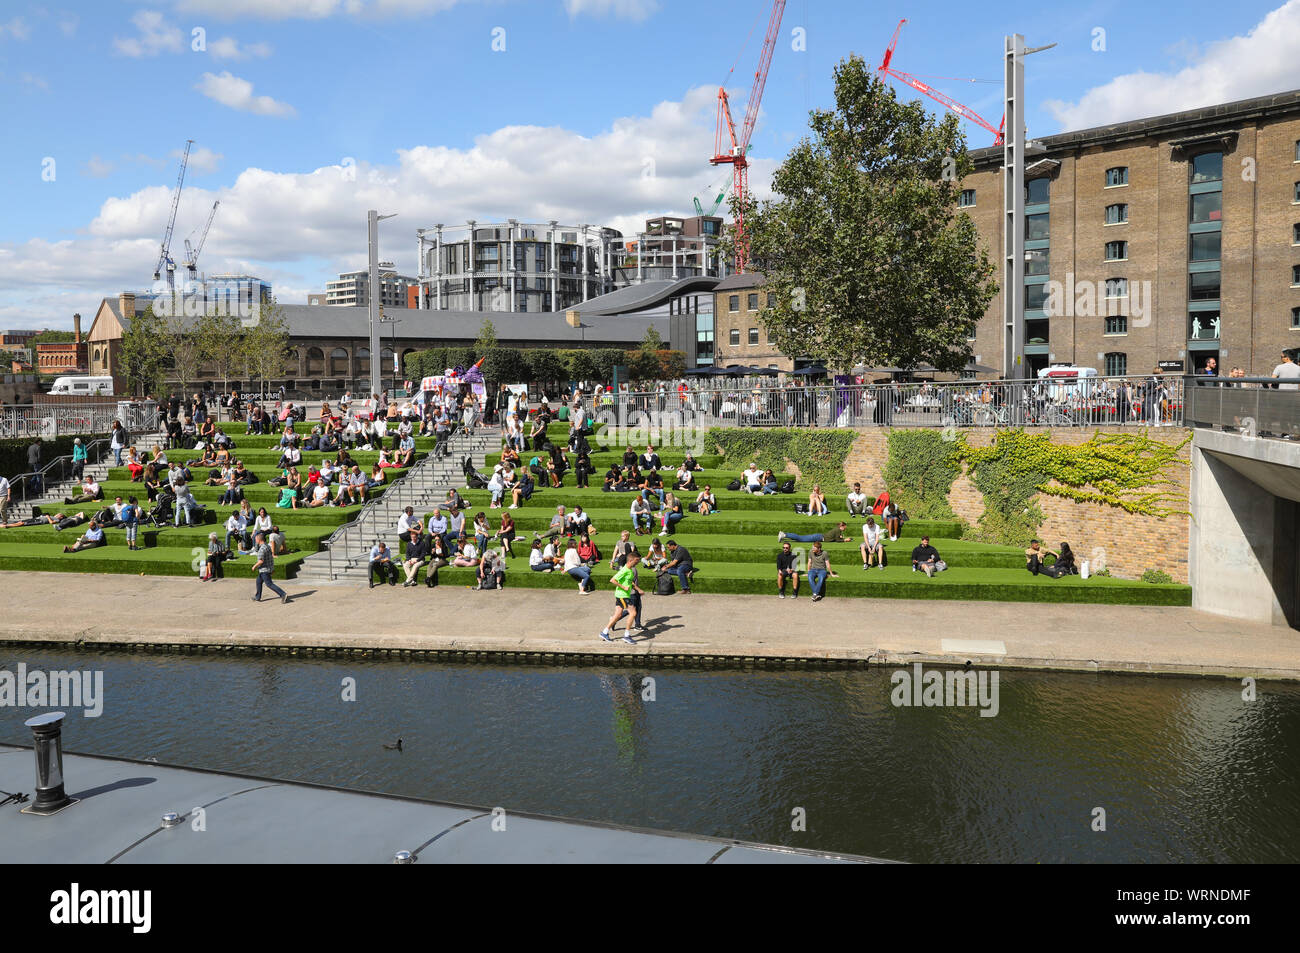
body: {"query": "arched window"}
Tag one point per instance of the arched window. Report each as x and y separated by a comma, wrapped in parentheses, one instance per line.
(315, 361)
(386, 361)
(363, 361)
(338, 362)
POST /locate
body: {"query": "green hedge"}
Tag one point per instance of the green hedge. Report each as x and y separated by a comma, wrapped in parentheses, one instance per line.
(818, 453)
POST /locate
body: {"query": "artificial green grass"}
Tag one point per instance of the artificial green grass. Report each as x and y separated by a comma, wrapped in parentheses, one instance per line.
(116, 558)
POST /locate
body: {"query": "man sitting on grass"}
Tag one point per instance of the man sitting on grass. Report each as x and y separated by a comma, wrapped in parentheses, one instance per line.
(417, 551)
(857, 501)
(622, 549)
(90, 539)
(786, 568)
(90, 490)
(680, 565)
(926, 558)
(873, 544)
(752, 479)
(557, 527)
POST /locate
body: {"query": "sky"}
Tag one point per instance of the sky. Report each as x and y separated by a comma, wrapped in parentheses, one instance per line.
(306, 113)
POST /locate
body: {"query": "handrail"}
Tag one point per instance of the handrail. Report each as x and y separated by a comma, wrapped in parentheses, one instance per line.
(22, 480)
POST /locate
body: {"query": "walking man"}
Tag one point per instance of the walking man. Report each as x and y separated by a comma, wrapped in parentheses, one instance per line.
(622, 582)
(263, 567)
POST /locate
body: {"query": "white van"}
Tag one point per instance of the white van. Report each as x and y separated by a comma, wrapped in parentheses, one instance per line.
(1063, 381)
(84, 386)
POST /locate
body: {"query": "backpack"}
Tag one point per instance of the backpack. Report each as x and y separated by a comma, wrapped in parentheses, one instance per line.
(664, 585)
(733, 485)
(787, 486)
(801, 507)
(489, 581)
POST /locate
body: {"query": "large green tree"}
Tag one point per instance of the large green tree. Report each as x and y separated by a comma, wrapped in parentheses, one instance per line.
(266, 344)
(221, 338)
(145, 353)
(863, 245)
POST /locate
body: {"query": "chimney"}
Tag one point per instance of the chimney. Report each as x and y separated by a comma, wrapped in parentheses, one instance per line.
(126, 303)
(76, 328)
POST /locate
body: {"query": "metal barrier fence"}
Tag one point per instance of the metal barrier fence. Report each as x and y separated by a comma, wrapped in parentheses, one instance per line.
(54, 420)
(1251, 406)
(1057, 402)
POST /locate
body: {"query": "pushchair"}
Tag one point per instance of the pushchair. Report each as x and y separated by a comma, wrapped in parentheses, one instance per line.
(473, 479)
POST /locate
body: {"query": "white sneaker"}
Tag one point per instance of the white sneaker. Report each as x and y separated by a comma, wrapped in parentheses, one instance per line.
(663, 532)
(514, 506)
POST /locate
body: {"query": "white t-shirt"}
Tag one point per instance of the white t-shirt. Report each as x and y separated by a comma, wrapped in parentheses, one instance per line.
(571, 558)
(858, 498)
(534, 557)
(407, 523)
(1287, 371)
(4, 488)
(321, 492)
(638, 506)
(753, 476)
(871, 534)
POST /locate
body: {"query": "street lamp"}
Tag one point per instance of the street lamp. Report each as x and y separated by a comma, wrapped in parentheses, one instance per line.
(394, 322)
(373, 218)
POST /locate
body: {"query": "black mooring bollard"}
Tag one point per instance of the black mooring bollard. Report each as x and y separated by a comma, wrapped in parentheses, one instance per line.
(47, 732)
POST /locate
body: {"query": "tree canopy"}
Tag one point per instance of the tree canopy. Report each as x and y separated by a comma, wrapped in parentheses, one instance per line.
(863, 245)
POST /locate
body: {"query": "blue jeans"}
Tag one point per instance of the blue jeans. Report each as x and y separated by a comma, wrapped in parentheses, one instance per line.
(264, 579)
(582, 574)
(672, 519)
(187, 509)
(808, 538)
(642, 521)
(770, 488)
(817, 579)
(645, 494)
(117, 454)
(681, 572)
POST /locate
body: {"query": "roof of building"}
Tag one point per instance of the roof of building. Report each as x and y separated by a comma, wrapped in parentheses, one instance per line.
(648, 294)
(1190, 120)
(333, 321)
(750, 279)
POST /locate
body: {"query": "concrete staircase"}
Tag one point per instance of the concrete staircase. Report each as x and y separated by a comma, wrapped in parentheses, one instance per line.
(51, 501)
(346, 554)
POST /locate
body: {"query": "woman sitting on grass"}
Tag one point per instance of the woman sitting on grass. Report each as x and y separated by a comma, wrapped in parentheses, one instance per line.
(134, 464)
(587, 550)
(706, 502)
(376, 477)
(817, 502)
(158, 457)
(685, 479)
(482, 531)
(510, 455)
(536, 561)
(506, 533)
(770, 485)
(216, 556)
(151, 481)
(218, 476)
(466, 553)
(671, 514)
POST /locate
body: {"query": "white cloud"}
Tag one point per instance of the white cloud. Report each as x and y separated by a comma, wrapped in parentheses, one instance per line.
(17, 28)
(202, 159)
(625, 9)
(36, 82)
(283, 225)
(1261, 62)
(228, 48)
(156, 36)
(68, 23)
(237, 93)
(311, 9)
(97, 168)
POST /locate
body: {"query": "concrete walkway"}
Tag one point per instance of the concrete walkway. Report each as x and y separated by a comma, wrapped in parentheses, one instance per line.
(101, 609)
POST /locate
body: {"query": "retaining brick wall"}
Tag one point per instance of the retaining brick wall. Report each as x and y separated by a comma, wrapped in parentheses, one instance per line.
(1128, 544)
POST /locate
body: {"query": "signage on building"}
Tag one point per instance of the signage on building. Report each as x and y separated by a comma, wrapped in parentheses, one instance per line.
(1170, 365)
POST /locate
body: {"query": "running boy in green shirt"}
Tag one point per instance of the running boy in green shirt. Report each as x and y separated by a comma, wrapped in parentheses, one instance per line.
(623, 586)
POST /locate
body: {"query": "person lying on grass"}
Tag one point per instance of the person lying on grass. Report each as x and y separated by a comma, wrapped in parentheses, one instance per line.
(59, 521)
(840, 534)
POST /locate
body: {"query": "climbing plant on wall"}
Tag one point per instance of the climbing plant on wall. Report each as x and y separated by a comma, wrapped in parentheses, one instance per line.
(1130, 471)
(819, 454)
(920, 470)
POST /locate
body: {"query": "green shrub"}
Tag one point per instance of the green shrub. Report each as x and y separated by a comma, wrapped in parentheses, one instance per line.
(1157, 577)
(819, 454)
(920, 471)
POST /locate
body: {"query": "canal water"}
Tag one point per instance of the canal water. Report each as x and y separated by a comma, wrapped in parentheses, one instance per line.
(1184, 769)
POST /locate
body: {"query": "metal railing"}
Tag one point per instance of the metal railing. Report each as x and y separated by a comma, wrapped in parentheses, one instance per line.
(1151, 400)
(1251, 406)
(22, 487)
(421, 478)
(54, 420)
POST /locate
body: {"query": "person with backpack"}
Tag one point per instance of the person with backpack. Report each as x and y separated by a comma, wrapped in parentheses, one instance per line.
(130, 519)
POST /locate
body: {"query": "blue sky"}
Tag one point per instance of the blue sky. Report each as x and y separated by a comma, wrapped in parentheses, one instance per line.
(306, 112)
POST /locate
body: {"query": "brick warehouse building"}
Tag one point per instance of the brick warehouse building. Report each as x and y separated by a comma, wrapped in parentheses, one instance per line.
(1200, 207)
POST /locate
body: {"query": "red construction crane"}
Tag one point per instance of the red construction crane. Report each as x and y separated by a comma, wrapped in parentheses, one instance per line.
(736, 154)
(964, 111)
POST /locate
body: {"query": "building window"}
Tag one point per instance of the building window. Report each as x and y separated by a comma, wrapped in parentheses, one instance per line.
(1203, 286)
(1116, 251)
(1295, 318)
(1295, 196)
(1037, 191)
(1117, 324)
(771, 299)
(1116, 287)
(734, 338)
(1295, 276)
(1116, 214)
(1206, 246)
(1117, 176)
(1295, 234)
(1203, 326)
(967, 199)
(1207, 167)
(733, 303)
(1116, 364)
(751, 302)
(1037, 227)
(753, 336)
(1035, 297)
(1207, 207)
(1036, 261)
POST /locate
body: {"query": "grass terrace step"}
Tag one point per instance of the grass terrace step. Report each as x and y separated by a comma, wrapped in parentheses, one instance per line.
(116, 558)
(306, 538)
(897, 582)
(592, 498)
(257, 494)
(764, 524)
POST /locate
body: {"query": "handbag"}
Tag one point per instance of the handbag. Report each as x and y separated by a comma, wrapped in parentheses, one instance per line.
(902, 516)
(733, 485)
(801, 507)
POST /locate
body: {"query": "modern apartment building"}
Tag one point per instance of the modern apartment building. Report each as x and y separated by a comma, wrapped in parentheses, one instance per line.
(1160, 242)
(352, 289)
